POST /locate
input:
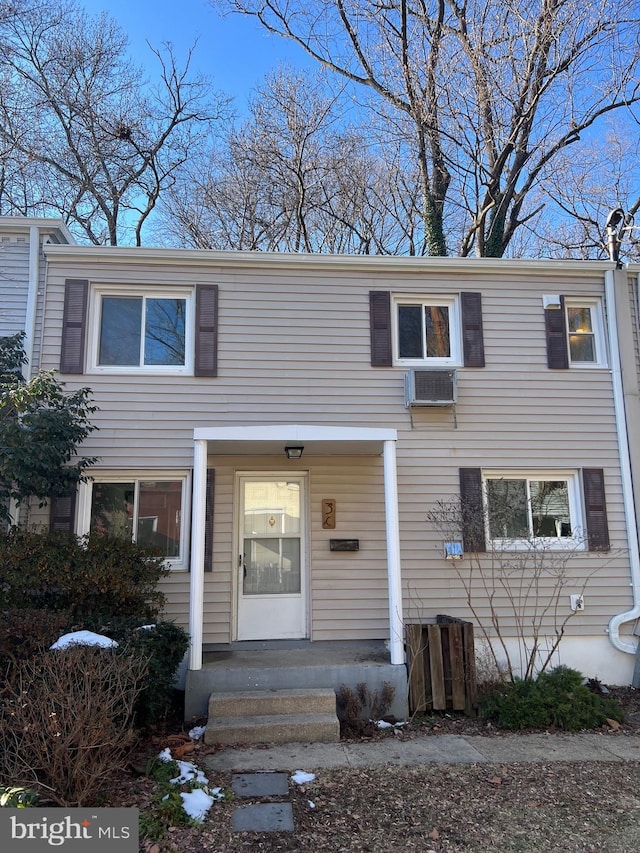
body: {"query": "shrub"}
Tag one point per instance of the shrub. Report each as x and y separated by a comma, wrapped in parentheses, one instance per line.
(358, 708)
(18, 798)
(163, 646)
(65, 721)
(555, 699)
(24, 633)
(87, 578)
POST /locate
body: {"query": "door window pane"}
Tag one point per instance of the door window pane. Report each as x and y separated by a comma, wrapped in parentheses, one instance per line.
(272, 508)
(271, 566)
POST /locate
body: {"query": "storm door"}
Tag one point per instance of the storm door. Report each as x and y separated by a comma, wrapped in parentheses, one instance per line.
(271, 558)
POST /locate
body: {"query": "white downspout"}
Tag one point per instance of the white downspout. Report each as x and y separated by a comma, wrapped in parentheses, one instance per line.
(32, 300)
(625, 471)
(396, 637)
(196, 578)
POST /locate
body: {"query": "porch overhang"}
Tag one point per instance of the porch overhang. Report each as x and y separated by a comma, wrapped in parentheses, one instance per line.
(270, 439)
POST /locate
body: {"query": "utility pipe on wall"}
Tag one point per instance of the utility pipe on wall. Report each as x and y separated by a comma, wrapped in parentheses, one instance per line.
(625, 471)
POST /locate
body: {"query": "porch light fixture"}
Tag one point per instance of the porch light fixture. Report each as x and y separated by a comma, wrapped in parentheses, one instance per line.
(293, 452)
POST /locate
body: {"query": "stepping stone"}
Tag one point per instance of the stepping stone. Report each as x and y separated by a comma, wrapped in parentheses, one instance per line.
(260, 785)
(263, 817)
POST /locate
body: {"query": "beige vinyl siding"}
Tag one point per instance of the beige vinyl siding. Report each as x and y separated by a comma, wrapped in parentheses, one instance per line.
(14, 283)
(294, 348)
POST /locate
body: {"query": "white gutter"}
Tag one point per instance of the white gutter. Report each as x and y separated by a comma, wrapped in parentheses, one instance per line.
(32, 300)
(625, 471)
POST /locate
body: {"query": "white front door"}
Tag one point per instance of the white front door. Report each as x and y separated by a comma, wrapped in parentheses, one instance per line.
(271, 558)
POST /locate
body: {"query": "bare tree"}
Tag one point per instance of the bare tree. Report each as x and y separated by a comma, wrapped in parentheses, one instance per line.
(81, 131)
(491, 92)
(297, 175)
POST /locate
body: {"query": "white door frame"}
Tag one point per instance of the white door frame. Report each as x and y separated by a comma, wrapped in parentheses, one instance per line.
(301, 631)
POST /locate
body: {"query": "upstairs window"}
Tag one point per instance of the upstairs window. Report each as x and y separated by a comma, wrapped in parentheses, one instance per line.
(428, 331)
(146, 332)
(575, 332)
(142, 331)
(585, 332)
(151, 330)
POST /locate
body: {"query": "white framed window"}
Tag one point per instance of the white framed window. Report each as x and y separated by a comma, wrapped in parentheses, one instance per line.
(427, 330)
(141, 330)
(533, 508)
(147, 507)
(585, 332)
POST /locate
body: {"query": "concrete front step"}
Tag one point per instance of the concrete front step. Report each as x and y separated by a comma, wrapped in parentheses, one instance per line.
(273, 728)
(273, 716)
(251, 703)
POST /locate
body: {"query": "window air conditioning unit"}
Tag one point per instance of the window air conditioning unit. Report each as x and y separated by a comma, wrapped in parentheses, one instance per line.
(430, 388)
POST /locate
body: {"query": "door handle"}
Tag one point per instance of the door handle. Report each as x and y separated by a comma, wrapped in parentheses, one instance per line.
(242, 566)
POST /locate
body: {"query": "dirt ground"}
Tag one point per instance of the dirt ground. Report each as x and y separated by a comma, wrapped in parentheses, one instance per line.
(532, 808)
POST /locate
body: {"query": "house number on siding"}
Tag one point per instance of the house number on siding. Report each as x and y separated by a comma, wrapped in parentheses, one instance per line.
(328, 514)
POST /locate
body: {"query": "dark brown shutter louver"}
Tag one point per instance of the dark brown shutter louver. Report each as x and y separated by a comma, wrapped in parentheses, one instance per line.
(472, 335)
(206, 344)
(595, 505)
(380, 325)
(472, 510)
(208, 521)
(556, 329)
(62, 513)
(74, 321)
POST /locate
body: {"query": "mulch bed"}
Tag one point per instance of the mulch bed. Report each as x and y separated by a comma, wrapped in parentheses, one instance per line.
(551, 808)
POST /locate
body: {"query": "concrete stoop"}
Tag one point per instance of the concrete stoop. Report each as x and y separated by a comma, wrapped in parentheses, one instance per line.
(273, 716)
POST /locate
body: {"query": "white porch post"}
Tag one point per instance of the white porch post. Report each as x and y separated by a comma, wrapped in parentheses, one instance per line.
(196, 582)
(393, 553)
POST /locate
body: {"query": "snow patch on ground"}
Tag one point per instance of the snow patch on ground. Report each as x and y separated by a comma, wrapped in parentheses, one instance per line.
(301, 778)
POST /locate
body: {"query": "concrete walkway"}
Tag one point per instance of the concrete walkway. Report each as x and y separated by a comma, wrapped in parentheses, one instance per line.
(431, 749)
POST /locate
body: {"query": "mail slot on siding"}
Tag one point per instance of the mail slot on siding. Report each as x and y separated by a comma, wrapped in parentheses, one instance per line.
(344, 544)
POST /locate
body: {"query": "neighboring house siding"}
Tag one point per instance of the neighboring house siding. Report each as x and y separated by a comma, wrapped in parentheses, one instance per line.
(14, 283)
(294, 347)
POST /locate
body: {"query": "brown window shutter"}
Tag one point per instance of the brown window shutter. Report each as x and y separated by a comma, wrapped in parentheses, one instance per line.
(62, 513)
(472, 336)
(206, 337)
(74, 321)
(380, 325)
(208, 521)
(595, 505)
(556, 329)
(472, 510)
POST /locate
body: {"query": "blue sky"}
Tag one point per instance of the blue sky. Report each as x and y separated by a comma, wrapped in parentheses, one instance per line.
(236, 51)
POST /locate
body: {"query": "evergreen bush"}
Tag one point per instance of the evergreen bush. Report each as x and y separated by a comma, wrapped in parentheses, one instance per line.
(557, 699)
(87, 578)
(163, 646)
